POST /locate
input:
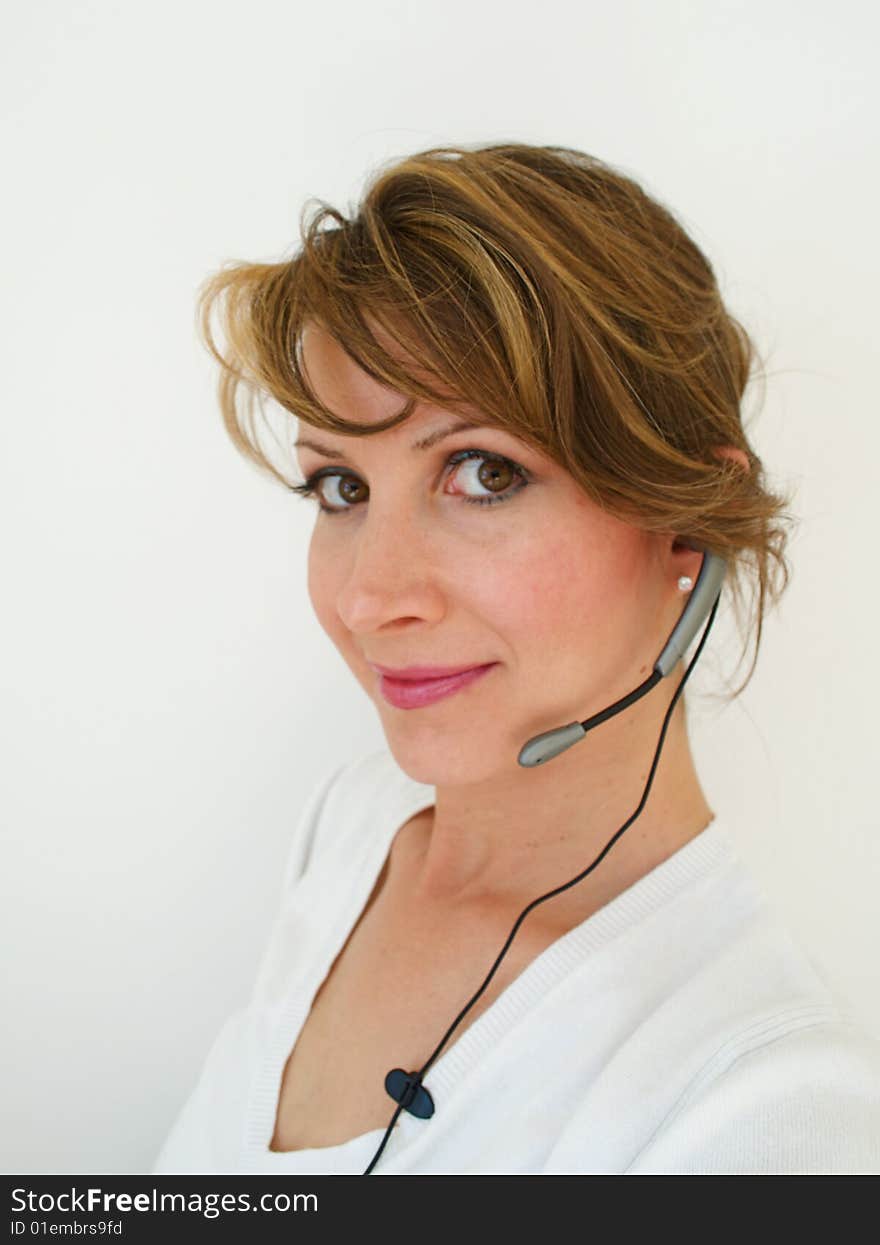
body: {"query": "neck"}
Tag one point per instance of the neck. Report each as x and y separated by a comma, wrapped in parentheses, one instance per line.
(500, 841)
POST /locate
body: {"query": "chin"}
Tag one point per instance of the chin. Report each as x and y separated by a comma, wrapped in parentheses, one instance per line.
(444, 760)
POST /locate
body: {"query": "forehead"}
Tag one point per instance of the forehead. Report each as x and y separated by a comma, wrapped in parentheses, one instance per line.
(342, 386)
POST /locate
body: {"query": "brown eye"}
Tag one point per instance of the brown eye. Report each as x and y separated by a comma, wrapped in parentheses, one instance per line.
(489, 472)
(496, 476)
(348, 488)
(351, 489)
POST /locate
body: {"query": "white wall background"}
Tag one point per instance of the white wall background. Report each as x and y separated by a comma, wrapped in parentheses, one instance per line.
(167, 695)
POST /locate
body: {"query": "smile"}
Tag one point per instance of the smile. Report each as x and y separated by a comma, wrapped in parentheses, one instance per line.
(412, 694)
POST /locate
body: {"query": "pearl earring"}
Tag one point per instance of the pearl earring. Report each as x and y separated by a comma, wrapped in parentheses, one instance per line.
(685, 583)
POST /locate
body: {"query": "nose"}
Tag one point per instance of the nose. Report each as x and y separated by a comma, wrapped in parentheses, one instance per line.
(391, 573)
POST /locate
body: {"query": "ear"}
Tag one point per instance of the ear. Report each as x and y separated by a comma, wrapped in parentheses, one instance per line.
(684, 559)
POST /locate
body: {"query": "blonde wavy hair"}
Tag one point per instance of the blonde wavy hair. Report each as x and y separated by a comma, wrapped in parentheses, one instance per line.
(552, 292)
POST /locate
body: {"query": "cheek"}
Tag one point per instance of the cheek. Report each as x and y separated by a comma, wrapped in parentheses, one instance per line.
(521, 596)
(563, 597)
(539, 589)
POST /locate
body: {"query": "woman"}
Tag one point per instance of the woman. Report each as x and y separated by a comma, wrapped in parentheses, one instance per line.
(518, 394)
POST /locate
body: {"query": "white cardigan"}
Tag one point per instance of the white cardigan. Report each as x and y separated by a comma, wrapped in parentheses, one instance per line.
(680, 1029)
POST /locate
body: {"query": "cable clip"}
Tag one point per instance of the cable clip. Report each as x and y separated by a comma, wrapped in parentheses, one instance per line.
(407, 1089)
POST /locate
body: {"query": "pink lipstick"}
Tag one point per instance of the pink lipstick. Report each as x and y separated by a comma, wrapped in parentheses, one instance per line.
(418, 688)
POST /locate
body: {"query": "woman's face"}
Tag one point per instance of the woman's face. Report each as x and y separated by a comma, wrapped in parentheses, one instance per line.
(570, 605)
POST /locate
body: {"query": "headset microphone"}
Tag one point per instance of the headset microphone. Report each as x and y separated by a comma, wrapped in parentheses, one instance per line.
(704, 595)
(406, 1088)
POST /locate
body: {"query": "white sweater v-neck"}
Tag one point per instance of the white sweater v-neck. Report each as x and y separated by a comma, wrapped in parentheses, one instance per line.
(680, 1029)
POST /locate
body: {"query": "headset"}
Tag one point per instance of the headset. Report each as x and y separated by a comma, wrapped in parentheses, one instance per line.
(406, 1088)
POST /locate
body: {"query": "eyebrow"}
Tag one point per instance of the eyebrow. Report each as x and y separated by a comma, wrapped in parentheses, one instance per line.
(424, 443)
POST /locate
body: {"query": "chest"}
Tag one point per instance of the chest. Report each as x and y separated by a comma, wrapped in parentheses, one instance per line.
(390, 995)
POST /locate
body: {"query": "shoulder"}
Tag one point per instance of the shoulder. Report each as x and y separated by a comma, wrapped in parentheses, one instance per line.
(736, 1054)
(801, 1096)
(779, 1076)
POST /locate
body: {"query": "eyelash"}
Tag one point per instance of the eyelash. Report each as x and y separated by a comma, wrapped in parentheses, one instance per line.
(309, 489)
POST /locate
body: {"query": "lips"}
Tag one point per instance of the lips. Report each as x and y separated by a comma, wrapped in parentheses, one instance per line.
(414, 693)
(420, 673)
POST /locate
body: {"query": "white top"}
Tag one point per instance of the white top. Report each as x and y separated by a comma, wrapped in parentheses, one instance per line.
(680, 1029)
